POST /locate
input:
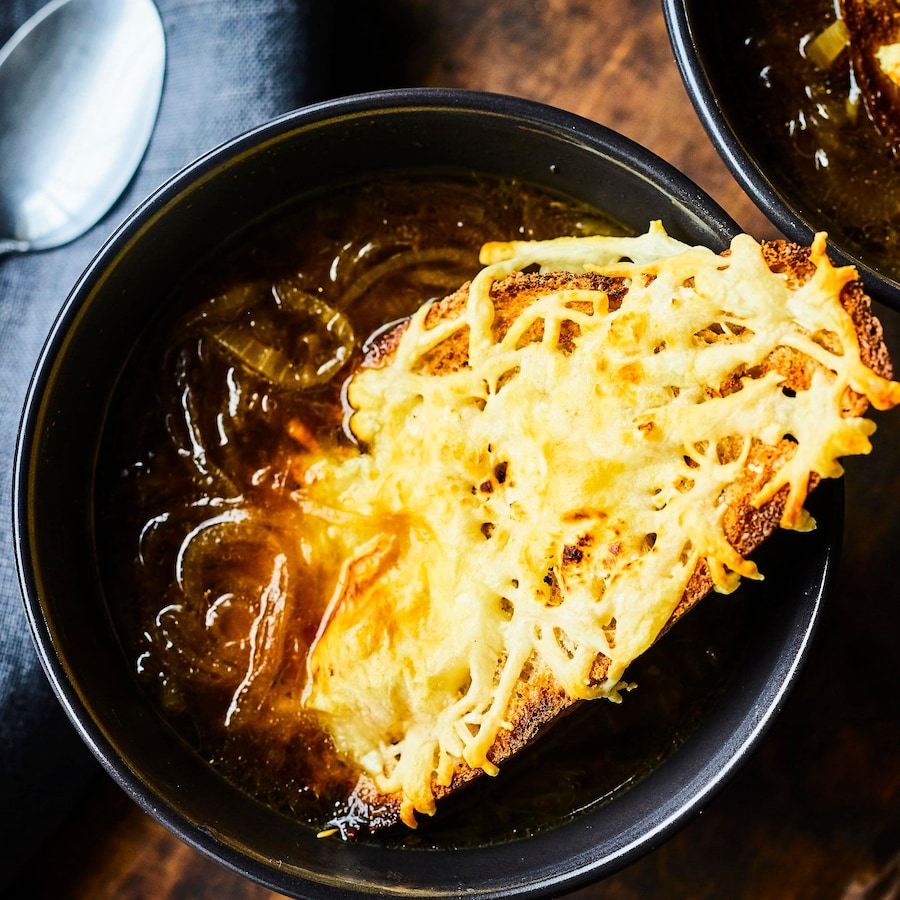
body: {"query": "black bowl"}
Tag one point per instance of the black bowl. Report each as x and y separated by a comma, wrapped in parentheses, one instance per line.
(104, 318)
(726, 56)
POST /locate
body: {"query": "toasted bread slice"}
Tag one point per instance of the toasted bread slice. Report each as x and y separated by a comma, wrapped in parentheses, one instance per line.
(874, 27)
(756, 501)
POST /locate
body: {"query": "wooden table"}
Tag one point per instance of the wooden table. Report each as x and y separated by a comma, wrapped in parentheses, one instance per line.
(816, 813)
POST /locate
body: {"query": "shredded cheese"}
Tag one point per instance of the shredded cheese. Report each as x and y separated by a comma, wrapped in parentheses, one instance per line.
(542, 506)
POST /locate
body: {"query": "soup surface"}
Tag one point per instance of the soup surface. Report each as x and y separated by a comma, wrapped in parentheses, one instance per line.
(218, 583)
(808, 128)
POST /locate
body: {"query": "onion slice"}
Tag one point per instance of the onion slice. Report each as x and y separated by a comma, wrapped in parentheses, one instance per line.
(304, 344)
(828, 44)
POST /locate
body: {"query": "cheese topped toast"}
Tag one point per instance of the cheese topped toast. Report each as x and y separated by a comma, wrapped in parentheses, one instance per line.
(558, 461)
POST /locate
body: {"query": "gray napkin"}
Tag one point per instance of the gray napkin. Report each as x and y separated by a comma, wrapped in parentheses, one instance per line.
(232, 64)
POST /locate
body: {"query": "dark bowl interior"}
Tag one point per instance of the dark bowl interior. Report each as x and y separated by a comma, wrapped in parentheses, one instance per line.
(110, 308)
(722, 52)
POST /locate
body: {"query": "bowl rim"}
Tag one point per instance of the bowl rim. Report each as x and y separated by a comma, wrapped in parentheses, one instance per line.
(651, 166)
(742, 164)
(655, 822)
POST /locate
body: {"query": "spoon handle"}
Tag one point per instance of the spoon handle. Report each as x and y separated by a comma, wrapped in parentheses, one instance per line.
(8, 246)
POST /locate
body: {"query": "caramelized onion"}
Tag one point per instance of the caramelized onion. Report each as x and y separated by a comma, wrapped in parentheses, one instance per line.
(226, 624)
(266, 646)
(301, 342)
(407, 259)
(828, 44)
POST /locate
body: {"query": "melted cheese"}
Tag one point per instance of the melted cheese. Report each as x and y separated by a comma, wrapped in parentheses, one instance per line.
(547, 506)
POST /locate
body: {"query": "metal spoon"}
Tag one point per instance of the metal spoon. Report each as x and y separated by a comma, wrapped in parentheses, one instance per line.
(80, 86)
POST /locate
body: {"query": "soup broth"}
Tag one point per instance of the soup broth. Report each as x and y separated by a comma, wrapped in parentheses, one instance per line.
(214, 575)
(809, 128)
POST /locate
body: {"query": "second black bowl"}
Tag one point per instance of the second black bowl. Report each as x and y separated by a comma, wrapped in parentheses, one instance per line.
(780, 121)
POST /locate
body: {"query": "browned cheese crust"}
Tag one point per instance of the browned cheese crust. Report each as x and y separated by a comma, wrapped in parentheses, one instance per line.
(539, 700)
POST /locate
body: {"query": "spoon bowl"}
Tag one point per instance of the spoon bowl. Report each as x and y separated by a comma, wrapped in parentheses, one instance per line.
(80, 87)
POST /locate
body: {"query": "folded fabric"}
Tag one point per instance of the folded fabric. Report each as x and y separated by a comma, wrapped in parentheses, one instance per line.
(231, 64)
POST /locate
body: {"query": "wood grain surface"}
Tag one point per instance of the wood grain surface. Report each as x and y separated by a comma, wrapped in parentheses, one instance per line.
(816, 812)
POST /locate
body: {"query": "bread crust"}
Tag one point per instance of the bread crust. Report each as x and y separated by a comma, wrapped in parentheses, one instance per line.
(873, 24)
(539, 700)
